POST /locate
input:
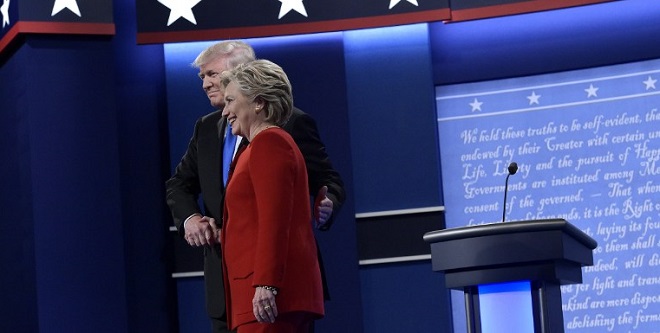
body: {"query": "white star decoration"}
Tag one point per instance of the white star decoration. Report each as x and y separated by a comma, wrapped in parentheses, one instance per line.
(4, 10)
(395, 2)
(533, 98)
(476, 105)
(72, 5)
(180, 8)
(650, 83)
(288, 5)
(591, 91)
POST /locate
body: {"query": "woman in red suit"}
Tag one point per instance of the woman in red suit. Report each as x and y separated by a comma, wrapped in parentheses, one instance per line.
(270, 255)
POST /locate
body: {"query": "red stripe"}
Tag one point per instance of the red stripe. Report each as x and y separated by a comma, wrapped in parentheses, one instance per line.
(517, 8)
(291, 29)
(8, 37)
(66, 28)
(55, 28)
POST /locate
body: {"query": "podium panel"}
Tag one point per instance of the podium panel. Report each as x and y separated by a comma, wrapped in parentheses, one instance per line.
(503, 301)
(543, 253)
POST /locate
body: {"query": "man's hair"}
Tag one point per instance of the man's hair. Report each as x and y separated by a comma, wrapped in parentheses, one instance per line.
(236, 52)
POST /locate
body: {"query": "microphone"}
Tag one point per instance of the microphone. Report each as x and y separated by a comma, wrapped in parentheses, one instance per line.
(513, 168)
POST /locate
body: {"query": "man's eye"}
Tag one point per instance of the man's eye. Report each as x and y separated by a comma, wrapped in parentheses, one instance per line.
(213, 75)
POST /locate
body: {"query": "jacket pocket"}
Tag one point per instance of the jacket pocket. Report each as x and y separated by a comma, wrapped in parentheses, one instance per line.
(242, 276)
(242, 293)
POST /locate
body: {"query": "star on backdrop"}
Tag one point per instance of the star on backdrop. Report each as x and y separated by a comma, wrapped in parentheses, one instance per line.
(179, 9)
(533, 98)
(476, 105)
(59, 5)
(288, 5)
(591, 91)
(4, 10)
(650, 83)
(395, 2)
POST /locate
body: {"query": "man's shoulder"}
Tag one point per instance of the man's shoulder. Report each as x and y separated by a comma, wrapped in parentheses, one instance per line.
(296, 112)
(211, 117)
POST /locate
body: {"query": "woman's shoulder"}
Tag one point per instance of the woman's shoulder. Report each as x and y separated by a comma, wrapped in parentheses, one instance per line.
(275, 135)
(271, 143)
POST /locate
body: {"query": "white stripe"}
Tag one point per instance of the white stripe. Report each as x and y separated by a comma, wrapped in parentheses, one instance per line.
(400, 212)
(525, 88)
(554, 106)
(394, 259)
(187, 274)
(362, 263)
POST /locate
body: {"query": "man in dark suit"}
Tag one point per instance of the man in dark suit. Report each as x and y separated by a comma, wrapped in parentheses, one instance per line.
(200, 172)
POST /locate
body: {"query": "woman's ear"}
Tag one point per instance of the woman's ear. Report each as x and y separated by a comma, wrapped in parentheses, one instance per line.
(259, 104)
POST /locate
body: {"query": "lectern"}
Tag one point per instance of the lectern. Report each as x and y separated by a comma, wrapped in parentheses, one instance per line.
(544, 253)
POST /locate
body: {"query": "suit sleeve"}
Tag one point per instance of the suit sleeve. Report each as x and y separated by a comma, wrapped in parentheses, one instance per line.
(273, 170)
(319, 167)
(182, 190)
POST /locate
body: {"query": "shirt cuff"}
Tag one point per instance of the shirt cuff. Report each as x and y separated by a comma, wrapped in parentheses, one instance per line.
(189, 217)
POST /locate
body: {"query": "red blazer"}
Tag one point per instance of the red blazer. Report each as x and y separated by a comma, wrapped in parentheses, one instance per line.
(267, 236)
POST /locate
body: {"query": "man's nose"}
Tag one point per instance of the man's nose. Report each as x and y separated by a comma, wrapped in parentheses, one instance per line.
(206, 83)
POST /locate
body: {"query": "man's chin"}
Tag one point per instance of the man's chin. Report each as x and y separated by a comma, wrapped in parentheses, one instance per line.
(217, 105)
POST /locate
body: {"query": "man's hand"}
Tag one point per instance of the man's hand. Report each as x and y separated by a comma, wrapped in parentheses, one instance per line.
(199, 231)
(216, 230)
(322, 207)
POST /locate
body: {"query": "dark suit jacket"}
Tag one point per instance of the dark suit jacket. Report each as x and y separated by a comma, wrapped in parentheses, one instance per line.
(200, 172)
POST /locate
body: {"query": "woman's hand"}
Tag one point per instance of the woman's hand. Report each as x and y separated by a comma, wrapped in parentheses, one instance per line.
(264, 306)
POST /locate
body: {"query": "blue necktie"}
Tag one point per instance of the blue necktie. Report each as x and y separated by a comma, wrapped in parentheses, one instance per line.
(227, 152)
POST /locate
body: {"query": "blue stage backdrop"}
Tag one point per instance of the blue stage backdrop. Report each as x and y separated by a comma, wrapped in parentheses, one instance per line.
(587, 144)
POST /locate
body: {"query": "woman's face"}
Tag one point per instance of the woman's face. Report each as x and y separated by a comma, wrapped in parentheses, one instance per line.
(240, 112)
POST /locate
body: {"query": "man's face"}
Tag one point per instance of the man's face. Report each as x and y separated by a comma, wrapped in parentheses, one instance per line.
(210, 75)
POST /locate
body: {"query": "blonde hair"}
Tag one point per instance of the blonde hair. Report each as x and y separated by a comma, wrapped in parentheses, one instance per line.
(235, 52)
(265, 81)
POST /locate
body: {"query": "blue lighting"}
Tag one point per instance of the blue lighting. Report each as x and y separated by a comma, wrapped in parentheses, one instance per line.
(188, 49)
(506, 308)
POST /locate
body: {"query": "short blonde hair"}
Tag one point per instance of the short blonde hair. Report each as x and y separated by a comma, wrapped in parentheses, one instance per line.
(266, 81)
(235, 52)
